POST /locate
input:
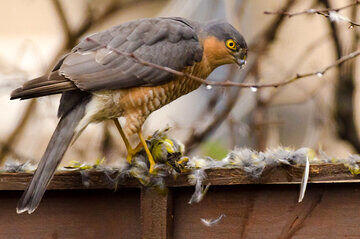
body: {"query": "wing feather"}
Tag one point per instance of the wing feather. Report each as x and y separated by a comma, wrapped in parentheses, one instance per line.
(165, 41)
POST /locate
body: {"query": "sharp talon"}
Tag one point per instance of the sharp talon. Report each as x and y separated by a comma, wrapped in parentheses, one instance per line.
(151, 170)
(152, 164)
(129, 157)
(130, 152)
(150, 157)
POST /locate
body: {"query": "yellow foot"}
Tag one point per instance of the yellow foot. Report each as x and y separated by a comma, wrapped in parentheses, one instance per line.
(130, 155)
(152, 168)
(150, 157)
(132, 152)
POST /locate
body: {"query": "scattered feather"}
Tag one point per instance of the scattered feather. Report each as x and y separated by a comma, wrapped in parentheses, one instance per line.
(14, 166)
(197, 178)
(212, 222)
(76, 165)
(85, 178)
(250, 161)
(304, 180)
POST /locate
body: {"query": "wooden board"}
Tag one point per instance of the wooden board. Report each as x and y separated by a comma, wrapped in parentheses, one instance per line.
(254, 208)
(326, 173)
(271, 211)
(73, 214)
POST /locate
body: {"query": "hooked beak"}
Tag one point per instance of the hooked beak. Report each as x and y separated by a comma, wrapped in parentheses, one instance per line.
(240, 57)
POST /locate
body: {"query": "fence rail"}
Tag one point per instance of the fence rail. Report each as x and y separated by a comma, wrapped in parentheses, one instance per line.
(254, 208)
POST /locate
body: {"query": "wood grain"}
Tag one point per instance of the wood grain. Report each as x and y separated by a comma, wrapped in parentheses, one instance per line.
(270, 211)
(156, 214)
(254, 208)
(325, 173)
(73, 214)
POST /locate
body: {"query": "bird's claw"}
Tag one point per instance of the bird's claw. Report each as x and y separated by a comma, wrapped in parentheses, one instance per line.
(152, 169)
(129, 157)
(132, 152)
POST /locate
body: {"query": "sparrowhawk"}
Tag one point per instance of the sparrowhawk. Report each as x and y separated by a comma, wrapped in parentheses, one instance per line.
(98, 84)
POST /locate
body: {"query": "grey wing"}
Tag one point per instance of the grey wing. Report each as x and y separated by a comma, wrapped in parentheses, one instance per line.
(163, 41)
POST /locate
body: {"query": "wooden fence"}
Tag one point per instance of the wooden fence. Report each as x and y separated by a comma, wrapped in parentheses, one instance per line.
(253, 208)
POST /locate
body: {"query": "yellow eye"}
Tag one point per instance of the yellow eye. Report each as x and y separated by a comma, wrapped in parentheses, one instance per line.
(231, 44)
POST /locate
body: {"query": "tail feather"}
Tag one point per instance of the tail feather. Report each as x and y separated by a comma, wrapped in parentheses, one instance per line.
(42, 86)
(55, 151)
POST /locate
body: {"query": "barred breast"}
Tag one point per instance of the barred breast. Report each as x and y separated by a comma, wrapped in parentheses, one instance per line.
(136, 104)
(139, 103)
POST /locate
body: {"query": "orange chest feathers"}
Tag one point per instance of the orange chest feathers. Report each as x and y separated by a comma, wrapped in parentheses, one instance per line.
(136, 104)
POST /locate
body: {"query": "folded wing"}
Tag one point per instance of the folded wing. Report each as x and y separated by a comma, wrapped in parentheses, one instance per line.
(169, 42)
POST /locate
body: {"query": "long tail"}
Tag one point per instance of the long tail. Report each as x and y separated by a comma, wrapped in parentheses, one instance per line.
(55, 151)
(44, 85)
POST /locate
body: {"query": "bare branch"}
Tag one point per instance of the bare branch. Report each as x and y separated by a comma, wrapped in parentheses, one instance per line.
(267, 36)
(228, 83)
(300, 61)
(345, 86)
(71, 38)
(330, 13)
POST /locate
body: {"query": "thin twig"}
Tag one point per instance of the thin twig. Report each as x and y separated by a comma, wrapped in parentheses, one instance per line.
(345, 86)
(228, 83)
(310, 49)
(324, 12)
(267, 36)
(71, 38)
(311, 11)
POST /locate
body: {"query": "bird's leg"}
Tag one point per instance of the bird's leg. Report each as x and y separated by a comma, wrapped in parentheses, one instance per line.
(130, 151)
(150, 157)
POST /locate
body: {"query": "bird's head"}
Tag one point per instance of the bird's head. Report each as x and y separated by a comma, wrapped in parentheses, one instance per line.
(223, 44)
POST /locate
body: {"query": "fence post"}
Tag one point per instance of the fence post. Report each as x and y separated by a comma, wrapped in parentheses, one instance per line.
(156, 214)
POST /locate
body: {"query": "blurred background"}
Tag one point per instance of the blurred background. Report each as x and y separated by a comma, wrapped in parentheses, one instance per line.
(320, 112)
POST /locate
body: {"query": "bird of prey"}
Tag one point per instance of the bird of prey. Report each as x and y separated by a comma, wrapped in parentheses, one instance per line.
(97, 83)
